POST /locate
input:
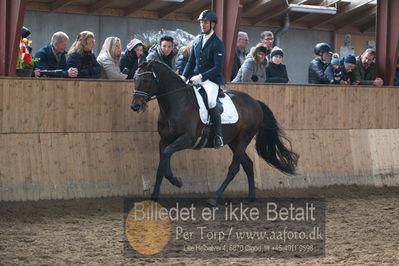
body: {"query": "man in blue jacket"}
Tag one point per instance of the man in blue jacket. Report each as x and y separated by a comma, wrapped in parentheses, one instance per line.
(52, 58)
(205, 64)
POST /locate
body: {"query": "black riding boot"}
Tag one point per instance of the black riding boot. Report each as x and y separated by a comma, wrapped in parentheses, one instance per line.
(217, 126)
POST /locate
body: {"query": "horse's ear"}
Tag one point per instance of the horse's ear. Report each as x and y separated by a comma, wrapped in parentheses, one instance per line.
(141, 60)
(151, 63)
(142, 64)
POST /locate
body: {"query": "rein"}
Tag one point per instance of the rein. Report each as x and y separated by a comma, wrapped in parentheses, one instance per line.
(153, 97)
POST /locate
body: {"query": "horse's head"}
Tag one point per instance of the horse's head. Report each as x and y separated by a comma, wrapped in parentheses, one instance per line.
(146, 86)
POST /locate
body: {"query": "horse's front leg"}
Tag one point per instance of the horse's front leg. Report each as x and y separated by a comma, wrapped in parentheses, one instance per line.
(174, 180)
(181, 143)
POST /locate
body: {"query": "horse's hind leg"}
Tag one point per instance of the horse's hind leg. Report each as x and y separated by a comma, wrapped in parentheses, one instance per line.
(233, 170)
(248, 166)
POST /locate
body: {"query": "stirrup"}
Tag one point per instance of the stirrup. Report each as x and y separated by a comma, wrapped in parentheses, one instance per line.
(218, 141)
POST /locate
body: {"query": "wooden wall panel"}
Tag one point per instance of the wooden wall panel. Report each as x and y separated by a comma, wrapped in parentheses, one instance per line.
(33, 105)
(86, 165)
(64, 139)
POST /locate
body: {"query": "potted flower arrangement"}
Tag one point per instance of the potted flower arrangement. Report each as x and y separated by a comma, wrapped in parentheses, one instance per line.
(26, 62)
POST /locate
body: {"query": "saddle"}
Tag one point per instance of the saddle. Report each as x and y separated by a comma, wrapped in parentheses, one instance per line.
(204, 96)
(228, 111)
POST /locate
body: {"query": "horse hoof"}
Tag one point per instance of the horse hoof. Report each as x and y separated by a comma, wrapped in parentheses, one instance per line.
(212, 202)
(176, 181)
(249, 200)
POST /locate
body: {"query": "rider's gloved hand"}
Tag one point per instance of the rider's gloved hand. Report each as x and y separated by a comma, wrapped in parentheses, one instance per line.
(197, 79)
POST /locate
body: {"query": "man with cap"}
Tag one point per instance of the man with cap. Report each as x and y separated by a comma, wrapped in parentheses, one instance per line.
(132, 57)
(205, 66)
(333, 71)
(319, 64)
(343, 75)
(347, 67)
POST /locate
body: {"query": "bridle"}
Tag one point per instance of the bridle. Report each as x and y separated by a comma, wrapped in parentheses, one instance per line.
(149, 97)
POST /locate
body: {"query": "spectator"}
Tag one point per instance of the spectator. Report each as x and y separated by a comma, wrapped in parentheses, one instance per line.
(254, 67)
(132, 57)
(81, 56)
(333, 71)
(109, 58)
(53, 57)
(182, 58)
(365, 69)
(240, 53)
(319, 64)
(267, 38)
(396, 81)
(26, 37)
(276, 72)
(163, 52)
(346, 67)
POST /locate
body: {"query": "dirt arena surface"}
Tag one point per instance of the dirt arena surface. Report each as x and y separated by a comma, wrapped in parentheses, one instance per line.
(362, 228)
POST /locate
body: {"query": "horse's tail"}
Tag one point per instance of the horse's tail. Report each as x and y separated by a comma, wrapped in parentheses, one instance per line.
(270, 147)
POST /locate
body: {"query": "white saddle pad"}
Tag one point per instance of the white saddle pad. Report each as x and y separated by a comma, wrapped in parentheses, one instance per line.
(229, 115)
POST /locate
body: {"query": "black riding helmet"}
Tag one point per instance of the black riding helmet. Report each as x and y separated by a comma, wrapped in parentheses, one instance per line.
(322, 47)
(208, 15)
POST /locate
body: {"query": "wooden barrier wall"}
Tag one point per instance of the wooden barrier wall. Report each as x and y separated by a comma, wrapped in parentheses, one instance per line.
(64, 139)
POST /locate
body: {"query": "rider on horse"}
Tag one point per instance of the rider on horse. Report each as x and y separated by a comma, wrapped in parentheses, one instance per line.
(205, 64)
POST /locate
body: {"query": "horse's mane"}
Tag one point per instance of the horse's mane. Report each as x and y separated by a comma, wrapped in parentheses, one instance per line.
(170, 75)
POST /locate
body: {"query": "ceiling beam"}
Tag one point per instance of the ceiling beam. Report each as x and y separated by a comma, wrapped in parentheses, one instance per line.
(354, 19)
(172, 8)
(255, 5)
(137, 6)
(99, 5)
(371, 23)
(275, 12)
(269, 14)
(59, 4)
(341, 12)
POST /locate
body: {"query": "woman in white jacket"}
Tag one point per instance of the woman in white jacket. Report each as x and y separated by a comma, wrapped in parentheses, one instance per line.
(254, 67)
(109, 59)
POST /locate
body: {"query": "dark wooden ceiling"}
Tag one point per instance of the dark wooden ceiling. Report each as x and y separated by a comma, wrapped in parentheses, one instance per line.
(351, 16)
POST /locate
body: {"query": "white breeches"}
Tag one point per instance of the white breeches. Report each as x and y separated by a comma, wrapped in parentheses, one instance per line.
(212, 91)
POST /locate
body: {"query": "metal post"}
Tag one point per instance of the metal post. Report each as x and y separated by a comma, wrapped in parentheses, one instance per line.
(387, 31)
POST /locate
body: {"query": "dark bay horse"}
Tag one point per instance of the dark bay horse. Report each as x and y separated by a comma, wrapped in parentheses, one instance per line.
(179, 126)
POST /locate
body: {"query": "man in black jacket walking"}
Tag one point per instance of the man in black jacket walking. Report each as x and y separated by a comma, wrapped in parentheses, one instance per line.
(319, 64)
